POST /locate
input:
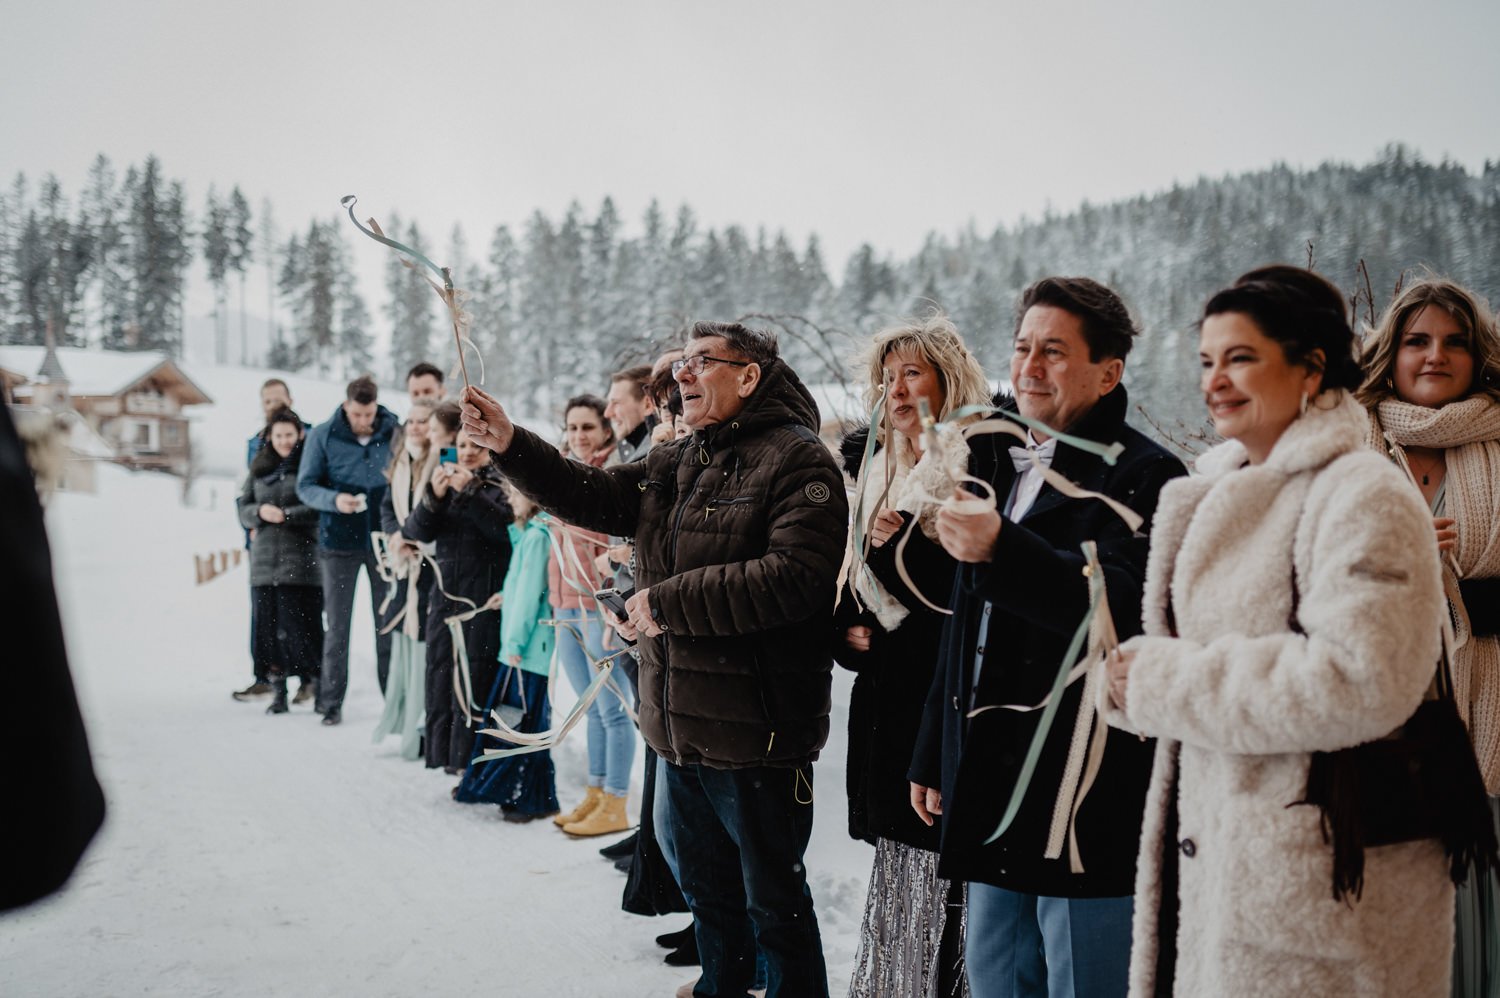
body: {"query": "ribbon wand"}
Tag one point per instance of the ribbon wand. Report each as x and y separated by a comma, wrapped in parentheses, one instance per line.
(446, 291)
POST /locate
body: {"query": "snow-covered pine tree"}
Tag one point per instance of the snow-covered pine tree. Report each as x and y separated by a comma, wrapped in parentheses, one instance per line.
(159, 256)
(216, 251)
(107, 289)
(353, 342)
(241, 255)
(493, 331)
(541, 333)
(412, 307)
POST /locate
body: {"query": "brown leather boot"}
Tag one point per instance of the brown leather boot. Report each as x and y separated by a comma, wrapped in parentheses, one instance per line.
(590, 801)
(605, 819)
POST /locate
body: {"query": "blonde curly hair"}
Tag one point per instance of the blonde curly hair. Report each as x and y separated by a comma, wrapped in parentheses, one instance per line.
(934, 339)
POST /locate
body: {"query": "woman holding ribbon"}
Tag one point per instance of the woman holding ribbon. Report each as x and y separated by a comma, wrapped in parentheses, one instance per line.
(1432, 387)
(464, 515)
(410, 582)
(887, 632)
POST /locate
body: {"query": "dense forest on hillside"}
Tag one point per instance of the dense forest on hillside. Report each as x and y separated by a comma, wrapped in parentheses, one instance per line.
(558, 303)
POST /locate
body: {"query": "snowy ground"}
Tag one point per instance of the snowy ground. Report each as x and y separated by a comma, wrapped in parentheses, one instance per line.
(250, 855)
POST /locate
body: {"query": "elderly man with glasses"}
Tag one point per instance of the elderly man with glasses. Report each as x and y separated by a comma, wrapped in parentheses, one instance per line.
(739, 534)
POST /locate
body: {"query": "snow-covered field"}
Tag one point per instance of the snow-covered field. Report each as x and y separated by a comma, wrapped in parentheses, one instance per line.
(252, 855)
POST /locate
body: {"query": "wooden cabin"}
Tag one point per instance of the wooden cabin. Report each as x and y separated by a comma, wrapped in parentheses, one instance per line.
(135, 402)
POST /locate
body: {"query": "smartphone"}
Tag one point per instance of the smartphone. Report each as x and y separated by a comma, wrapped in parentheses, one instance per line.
(448, 455)
(614, 601)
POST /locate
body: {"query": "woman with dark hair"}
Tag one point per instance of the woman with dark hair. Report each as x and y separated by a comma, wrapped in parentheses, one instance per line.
(1292, 608)
(410, 582)
(285, 580)
(572, 581)
(1432, 387)
(911, 942)
(464, 515)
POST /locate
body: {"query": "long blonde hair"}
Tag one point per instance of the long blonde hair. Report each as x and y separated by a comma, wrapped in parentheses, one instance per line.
(936, 341)
(1469, 310)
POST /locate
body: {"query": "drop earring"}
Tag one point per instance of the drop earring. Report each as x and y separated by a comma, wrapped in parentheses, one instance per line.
(1302, 409)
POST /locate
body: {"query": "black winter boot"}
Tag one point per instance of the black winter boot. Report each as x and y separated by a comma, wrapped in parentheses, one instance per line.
(278, 701)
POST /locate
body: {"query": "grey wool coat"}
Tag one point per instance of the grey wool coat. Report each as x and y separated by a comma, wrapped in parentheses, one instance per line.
(1239, 700)
(282, 554)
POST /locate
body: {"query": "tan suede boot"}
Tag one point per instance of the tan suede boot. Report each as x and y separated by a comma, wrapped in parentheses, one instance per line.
(590, 801)
(608, 817)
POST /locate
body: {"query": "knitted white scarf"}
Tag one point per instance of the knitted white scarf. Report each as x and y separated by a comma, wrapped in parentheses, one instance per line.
(1469, 432)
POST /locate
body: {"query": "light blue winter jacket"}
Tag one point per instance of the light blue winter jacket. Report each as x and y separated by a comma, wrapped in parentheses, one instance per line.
(524, 598)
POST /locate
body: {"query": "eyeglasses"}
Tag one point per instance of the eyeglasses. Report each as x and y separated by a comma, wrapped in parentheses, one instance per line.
(695, 365)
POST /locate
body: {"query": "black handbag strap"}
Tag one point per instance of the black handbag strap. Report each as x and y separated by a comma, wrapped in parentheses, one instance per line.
(505, 685)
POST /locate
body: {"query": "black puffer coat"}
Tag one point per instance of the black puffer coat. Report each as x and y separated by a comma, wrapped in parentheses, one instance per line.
(885, 708)
(282, 554)
(739, 533)
(468, 529)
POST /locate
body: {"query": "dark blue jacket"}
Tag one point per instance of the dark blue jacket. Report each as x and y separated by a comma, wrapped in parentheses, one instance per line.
(334, 461)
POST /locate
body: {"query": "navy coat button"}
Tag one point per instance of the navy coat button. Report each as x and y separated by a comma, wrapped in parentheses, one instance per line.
(1189, 848)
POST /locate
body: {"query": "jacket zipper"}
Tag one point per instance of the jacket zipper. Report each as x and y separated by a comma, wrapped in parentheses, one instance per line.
(716, 504)
(765, 707)
(666, 645)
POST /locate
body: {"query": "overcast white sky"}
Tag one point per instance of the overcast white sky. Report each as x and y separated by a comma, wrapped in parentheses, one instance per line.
(856, 120)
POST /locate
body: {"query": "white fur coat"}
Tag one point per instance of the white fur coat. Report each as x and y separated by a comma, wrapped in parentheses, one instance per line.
(1239, 701)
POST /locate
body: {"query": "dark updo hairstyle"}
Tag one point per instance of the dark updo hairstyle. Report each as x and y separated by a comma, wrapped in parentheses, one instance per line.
(1303, 313)
(595, 403)
(448, 415)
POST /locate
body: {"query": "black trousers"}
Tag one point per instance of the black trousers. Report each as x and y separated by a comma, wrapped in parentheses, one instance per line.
(288, 636)
(449, 741)
(740, 837)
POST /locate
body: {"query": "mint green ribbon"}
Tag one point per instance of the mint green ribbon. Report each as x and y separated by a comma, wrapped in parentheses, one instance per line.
(1109, 452)
(349, 201)
(1095, 574)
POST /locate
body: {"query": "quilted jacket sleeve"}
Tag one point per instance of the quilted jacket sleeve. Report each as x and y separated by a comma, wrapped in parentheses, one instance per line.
(602, 499)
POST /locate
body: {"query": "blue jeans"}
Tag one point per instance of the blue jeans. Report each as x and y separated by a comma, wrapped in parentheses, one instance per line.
(1026, 946)
(611, 736)
(661, 819)
(739, 837)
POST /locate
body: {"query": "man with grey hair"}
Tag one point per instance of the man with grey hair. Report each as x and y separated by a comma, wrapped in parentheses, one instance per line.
(740, 532)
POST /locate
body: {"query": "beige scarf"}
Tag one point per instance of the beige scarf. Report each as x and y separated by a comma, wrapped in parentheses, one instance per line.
(1469, 432)
(911, 490)
(402, 568)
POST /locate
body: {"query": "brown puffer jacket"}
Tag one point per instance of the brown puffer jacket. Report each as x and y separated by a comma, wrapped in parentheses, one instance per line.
(739, 534)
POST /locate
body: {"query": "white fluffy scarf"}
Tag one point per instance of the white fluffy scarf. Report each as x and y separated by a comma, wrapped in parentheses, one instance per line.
(1469, 432)
(915, 489)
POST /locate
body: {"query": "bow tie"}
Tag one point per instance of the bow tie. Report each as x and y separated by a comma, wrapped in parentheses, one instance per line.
(1021, 457)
